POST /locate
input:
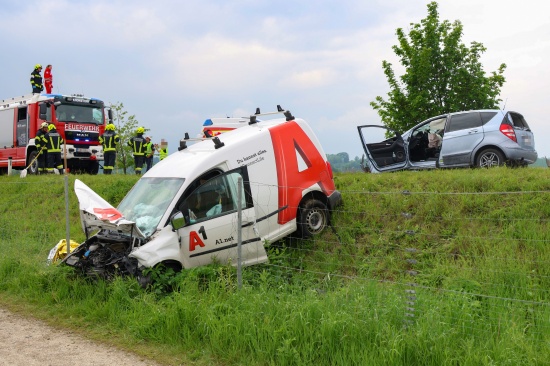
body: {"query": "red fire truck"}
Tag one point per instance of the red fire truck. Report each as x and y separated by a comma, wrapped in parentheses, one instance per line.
(78, 119)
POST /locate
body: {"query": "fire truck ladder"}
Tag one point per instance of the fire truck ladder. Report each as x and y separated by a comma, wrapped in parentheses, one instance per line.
(16, 101)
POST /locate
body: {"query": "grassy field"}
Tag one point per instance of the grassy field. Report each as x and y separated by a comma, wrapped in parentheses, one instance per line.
(419, 268)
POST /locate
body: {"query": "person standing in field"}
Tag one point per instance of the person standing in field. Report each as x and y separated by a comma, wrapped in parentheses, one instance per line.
(48, 79)
(36, 79)
(109, 140)
(40, 141)
(137, 143)
(53, 144)
(163, 152)
(149, 152)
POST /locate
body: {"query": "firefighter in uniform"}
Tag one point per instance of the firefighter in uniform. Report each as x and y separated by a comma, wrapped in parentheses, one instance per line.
(110, 141)
(36, 79)
(137, 143)
(53, 144)
(40, 141)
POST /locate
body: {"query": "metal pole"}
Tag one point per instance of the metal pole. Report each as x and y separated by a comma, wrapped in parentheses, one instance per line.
(239, 232)
(9, 166)
(66, 178)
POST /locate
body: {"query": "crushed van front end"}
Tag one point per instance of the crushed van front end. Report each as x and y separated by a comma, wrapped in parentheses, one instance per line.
(105, 255)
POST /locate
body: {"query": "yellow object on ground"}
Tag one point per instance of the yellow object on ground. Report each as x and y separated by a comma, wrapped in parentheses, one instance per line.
(59, 252)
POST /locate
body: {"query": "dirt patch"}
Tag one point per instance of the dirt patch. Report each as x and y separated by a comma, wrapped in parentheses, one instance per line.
(30, 342)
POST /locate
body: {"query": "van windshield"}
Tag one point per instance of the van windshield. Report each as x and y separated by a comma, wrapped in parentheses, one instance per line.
(148, 200)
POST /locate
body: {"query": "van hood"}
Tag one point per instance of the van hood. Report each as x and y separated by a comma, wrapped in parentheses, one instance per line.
(97, 214)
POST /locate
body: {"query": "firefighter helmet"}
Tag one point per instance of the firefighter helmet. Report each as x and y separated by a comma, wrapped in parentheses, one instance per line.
(140, 130)
(44, 124)
(51, 127)
(110, 127)
(37, 66)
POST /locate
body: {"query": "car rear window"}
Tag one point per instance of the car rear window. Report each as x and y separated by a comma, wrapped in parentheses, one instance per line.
(464, 121)
(517, 120)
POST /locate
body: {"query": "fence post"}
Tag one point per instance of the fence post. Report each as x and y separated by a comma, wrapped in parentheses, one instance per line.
(239, 231)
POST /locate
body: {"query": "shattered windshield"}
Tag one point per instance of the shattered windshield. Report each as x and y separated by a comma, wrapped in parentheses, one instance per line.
(148, 200)
(80, 113)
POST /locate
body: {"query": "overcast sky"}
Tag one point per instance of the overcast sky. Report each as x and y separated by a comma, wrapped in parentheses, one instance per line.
(174, 64)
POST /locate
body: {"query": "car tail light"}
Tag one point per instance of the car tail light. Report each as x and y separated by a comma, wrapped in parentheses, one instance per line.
(508, 131)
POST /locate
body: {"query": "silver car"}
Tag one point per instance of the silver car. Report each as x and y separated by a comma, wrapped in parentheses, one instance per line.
(482, 138)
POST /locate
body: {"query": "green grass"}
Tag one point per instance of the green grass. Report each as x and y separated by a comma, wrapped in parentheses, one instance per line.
(464, 251)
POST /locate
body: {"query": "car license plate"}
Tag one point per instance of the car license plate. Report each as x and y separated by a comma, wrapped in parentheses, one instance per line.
(79, 149)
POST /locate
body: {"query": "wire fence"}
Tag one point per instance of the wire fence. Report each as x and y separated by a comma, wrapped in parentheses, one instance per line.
(485, 258)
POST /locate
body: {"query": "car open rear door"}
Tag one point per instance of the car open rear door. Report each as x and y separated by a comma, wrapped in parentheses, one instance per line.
(383, 154)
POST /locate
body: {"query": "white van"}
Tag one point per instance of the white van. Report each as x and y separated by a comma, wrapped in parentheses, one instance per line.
(183, 213)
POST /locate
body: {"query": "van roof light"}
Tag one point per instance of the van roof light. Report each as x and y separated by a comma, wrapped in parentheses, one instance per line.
(252, 120)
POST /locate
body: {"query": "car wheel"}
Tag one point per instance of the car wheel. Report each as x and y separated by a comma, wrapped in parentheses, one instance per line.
(490, 158)
(312, 218)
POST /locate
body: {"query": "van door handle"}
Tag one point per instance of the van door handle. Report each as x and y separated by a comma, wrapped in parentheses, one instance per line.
(472, 131)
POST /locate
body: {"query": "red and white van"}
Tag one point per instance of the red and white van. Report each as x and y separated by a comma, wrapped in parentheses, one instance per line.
(184, 212)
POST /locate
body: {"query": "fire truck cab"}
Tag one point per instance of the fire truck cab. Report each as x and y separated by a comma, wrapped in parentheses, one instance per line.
(79, 120)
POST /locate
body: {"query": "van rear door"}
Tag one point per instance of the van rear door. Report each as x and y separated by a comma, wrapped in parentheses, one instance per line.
(211, 232)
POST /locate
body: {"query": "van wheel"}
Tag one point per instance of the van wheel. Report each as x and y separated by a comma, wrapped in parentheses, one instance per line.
(490, 158)
(312, 218)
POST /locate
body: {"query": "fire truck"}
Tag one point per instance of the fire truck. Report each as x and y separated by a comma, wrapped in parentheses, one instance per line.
(79, 120)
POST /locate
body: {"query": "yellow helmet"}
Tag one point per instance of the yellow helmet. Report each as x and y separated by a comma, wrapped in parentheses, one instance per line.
(110, 127)
(37, 66)
(140, 130)
(51, 127)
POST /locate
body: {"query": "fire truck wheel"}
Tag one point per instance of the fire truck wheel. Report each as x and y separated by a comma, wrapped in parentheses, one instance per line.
(312, 218)
(93, 168)
(33, 169)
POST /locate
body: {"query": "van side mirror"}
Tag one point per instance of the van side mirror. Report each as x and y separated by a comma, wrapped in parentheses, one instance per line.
(177, 221)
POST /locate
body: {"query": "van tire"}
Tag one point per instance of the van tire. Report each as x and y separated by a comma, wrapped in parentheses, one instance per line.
(312, 218)
(489, 158)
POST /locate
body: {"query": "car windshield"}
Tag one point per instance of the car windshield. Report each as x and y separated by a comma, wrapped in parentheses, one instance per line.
(79, 113)
(148, 200)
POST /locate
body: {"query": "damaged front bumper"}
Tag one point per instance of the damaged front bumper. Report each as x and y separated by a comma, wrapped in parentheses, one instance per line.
(106, 255)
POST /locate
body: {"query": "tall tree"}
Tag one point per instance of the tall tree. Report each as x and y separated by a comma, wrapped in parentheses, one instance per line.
(441, 75)
(125, 127)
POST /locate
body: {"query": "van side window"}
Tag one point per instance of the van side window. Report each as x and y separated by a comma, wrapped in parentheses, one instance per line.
(215, 197)
(464, 121)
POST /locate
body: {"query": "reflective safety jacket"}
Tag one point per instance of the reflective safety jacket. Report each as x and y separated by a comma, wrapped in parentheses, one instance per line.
(41, 139)
(149, 149)
(109, 140)
(137, 143)
(54, 141)
(163, 152)
(36, 80)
